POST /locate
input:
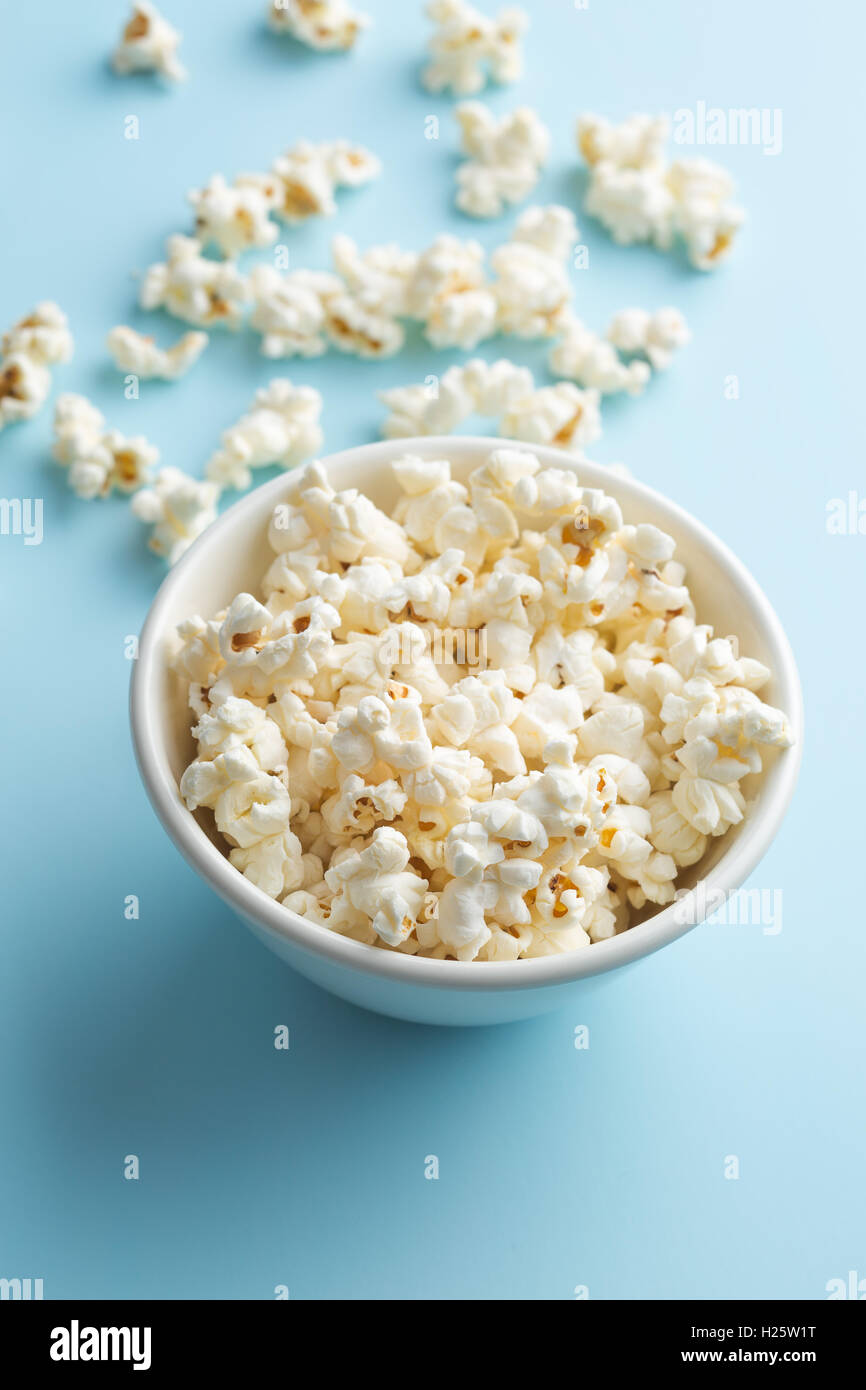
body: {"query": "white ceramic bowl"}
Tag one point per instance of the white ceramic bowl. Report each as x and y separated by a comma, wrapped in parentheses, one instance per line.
(232, 556)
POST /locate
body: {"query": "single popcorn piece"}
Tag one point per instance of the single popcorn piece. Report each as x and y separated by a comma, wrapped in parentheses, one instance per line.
(282, 428)
(24, 387)
(290, 311)
(637, 143)
(43, 336)
(148, 44)
(304, 180)
(653, 336)
(97, 459)
(36, 342)
(233, 218)
(562, 415)
(533, 290)
(440, 406)
(704, 212)
(449, 293)
(583, 356)
(326, 25)
(179, 508)
(484, 727)
(363, 317)
(468, 48)
(138, 354)
(191, 287)
(640, 198)
(506, 157)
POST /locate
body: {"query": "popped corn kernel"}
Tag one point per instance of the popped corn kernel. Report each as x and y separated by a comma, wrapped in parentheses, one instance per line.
(282, 427)
(148, 43)
(326, 25)
(138, 353)
(654, 336)
(24, 387)
(235, 218)
(97, 459)
(468, 47)
(43, 336)
(303, 182)
(638, 197)
(505, 158)
(191, 287)
(179, 508)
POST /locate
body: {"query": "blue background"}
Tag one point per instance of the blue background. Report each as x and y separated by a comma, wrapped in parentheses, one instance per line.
(559, 1167)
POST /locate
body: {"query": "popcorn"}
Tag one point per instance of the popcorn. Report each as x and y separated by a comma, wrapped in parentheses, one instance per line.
(24, 387)
(705, 216)
(134, 352)
(655, 336)
(377, 883)
(467, 47)
(584, 357)
(98, 459)
(637, 197)
(290, 310)
(179, 508)
(305, 179)
(448, 292)
(281, 428)
(532, 289)
(505, 158)
(38, 341)
(370, 773)
(326, 25)
(561, 415)
(638, 143)
(148, 44)
(479, 387)
(233, 218)
(189, 286)
(42, 336)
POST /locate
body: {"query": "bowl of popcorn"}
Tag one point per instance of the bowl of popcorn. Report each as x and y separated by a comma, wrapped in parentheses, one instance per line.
(455, 724)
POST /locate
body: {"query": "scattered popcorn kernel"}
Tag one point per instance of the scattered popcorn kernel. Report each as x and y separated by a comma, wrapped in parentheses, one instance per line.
(653, 336)
(533, 289)
(384, 777)
(322, 24)
(179, 508)
(191, 287)
(148, 44)
(42, 335)
(98, 460)
(290, 311)
(307, 177)
(281, 428)
(233, 218)
(583, 356)
(138, 354)
(468, 48)
(38, 341)
(24, 387)
(638, 197)
(505, 159)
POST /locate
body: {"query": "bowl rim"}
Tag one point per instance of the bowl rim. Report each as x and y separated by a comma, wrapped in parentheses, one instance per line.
(270, 916)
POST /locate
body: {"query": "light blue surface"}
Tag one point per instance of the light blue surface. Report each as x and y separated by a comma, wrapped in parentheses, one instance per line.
(154, 1037)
